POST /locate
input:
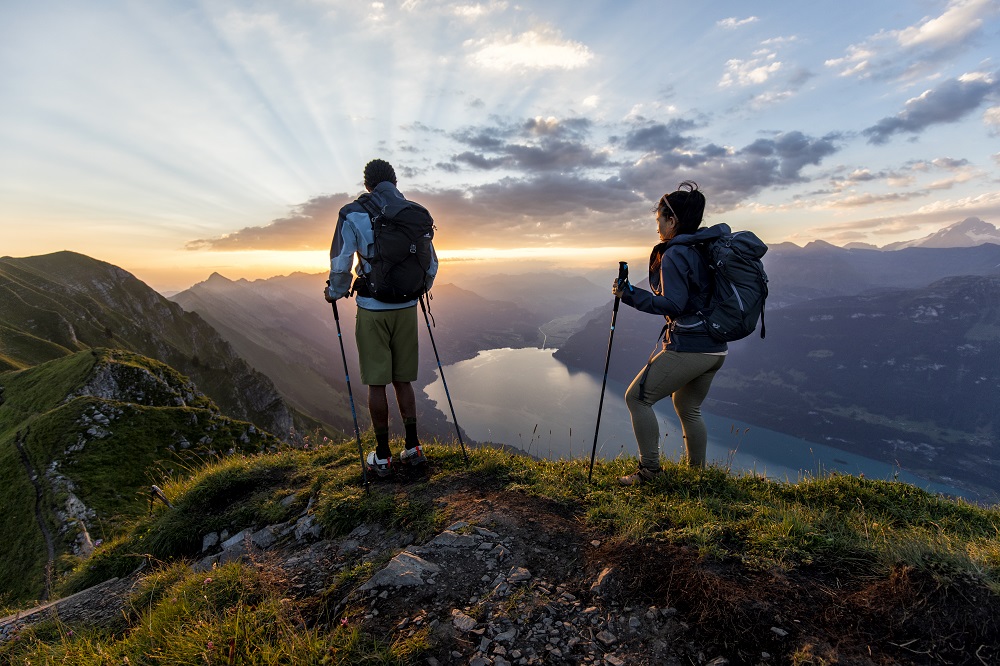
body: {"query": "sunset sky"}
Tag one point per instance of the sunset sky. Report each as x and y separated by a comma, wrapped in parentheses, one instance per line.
(179, 138)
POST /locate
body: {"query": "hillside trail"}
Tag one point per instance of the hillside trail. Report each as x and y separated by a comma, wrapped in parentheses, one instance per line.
(39, 499)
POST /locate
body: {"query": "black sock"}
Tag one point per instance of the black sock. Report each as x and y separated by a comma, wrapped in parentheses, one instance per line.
(411, 432)
(382, 444)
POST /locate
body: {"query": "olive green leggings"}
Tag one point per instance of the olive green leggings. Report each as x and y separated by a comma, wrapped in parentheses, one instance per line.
(685, 375)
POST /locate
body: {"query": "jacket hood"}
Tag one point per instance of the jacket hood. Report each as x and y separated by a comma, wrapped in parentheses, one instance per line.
(701, 235)
(387, 190)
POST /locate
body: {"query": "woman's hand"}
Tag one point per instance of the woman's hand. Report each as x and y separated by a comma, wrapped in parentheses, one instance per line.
(620, 287)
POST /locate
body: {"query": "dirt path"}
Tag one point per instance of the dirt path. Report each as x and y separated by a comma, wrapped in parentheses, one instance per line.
(49, 543)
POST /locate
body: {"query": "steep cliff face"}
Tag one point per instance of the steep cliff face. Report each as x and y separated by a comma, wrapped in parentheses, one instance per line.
(55, 304)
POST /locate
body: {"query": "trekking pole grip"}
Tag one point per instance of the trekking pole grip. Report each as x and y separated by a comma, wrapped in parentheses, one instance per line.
(622, 278)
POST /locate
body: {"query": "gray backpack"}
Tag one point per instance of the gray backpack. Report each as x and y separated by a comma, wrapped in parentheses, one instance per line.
(739, 284)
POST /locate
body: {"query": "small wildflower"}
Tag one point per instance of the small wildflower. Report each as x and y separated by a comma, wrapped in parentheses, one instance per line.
(210, 645)
(343, 621)
(69, 633)
(208, 580)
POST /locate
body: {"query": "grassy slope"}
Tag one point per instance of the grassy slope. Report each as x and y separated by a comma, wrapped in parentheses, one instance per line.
(112, 473)
(26, 395)
(841, 528)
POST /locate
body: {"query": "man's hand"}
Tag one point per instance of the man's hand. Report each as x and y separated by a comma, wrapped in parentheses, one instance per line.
(329, 295)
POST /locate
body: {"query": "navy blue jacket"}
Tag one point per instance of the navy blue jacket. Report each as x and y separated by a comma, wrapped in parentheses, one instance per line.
(682, 286)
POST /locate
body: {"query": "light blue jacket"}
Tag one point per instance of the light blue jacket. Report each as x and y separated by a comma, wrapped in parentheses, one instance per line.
(353, 235)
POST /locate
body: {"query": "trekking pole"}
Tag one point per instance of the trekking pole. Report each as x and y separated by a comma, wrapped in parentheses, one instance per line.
(458, 430)
(622, 277)
(350, 395)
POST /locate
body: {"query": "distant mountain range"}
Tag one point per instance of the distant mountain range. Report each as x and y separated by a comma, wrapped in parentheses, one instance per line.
(57, 304)
(820, 269)
(969, 232)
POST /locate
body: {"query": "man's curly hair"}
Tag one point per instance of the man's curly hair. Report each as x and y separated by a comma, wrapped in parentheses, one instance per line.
(378, 171)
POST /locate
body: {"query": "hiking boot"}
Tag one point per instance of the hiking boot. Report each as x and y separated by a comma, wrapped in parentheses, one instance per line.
(413, 457)
(640, 476)
(380, 467)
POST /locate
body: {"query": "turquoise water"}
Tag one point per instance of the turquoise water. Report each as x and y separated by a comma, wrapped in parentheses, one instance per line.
(528, 399)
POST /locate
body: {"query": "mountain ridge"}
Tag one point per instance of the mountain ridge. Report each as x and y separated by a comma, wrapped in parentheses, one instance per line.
(56, 304)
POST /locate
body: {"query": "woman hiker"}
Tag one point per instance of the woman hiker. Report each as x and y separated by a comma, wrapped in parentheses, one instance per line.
(681, 283)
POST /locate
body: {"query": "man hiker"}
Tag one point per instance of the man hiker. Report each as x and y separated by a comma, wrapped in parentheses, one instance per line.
(386, 324)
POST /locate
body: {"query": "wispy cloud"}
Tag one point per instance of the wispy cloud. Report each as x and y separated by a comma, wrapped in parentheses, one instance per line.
(753, 71)
(908, 51)
(532, 50)
(948, 102)
(478, 10)
(732, 23)
(991, 118)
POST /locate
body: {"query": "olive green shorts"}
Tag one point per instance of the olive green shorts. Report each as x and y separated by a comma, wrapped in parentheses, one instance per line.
(387, 345)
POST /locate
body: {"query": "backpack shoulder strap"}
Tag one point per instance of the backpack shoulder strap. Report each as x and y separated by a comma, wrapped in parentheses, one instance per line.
(368, 203)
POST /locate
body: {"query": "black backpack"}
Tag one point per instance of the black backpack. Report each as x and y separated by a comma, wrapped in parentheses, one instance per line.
(739, 285)
(403, 231)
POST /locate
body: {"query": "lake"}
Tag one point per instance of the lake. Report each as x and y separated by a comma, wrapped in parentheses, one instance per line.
(528, 399)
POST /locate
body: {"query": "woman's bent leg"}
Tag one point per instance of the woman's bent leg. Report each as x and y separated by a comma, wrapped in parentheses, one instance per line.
(687, 404)
(669, 371)
(644, 425)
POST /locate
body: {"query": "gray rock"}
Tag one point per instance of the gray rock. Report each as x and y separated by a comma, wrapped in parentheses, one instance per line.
(404, 570)
(518, 575)
(235, 539)
(462, 621)
(360, 531)
(349, 546)
(506, 637)
(779, 631)
(264, 538)
(233, 554)
(306, 527)
(602, 580)
(448, 539)
(606, 638)
(209, 540)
